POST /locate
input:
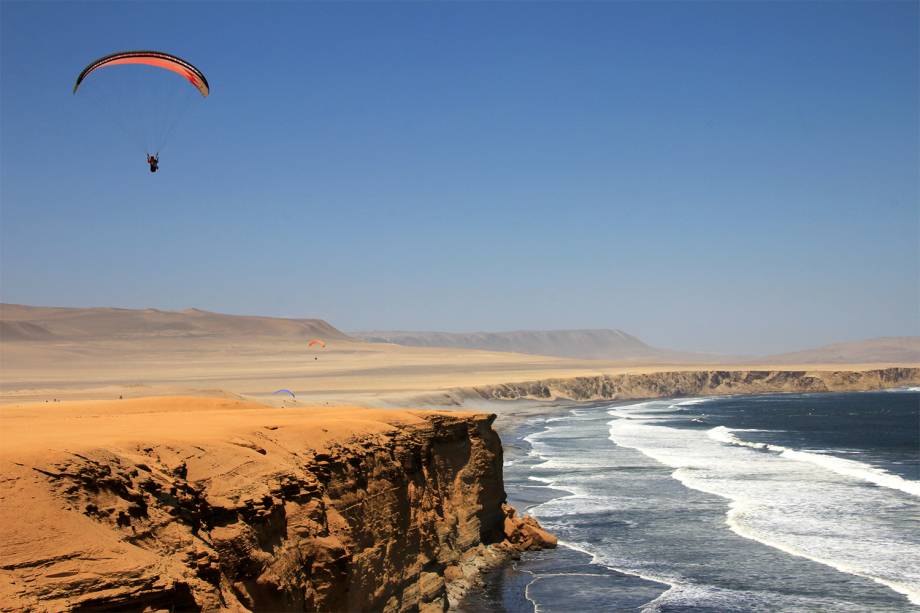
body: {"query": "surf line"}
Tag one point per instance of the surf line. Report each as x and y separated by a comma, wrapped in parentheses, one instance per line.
(841, 466)
(667, 586)
(735, 510)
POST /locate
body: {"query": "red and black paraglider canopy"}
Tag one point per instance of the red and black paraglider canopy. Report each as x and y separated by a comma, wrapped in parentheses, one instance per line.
(150, 58)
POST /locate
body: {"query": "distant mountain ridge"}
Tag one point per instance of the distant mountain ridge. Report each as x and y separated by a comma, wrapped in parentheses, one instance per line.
(29, 323)
(891, 349)
(601, 344)
(612, 344)
(22, 323)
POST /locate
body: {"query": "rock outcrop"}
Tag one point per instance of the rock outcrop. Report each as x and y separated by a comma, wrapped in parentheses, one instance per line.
(376, 522)
(701, 383)
(525, 533)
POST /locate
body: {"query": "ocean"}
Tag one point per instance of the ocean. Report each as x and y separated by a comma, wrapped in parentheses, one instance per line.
(783, 502)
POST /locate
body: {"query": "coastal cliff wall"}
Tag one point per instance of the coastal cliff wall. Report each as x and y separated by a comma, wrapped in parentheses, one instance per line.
(377, 522)
(700, 383)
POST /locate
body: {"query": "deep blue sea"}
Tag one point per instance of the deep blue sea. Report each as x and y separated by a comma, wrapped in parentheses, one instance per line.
(785, 502)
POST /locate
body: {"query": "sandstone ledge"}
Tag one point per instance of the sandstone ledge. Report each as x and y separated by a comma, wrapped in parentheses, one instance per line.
(699, 383)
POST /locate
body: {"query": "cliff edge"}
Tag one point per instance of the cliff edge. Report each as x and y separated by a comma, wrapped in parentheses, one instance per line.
(214, 504)
(699, 383)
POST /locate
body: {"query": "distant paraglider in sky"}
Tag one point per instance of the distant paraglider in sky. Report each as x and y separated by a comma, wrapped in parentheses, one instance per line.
(289, 392)
(146, 106)
(316, 342)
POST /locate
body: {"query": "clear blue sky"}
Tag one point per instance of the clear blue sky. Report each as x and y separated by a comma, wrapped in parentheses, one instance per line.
(712, 176)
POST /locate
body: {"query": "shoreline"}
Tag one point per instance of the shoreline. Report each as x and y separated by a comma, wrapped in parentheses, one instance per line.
(509, 582)
(515, 402)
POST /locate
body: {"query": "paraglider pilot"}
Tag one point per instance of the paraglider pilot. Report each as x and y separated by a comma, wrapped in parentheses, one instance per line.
(154, 161)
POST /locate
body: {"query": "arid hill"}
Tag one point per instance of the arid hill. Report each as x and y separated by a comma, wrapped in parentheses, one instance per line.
(21, 323)
(582, 344)
(32, 323)
(889, 349)
(50, 354)
(616, 345)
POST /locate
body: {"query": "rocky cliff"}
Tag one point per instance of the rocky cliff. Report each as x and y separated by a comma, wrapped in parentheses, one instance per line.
(701, 383)
(262, 519)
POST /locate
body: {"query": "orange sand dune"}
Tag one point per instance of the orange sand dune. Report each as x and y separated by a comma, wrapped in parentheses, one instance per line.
(77, 426)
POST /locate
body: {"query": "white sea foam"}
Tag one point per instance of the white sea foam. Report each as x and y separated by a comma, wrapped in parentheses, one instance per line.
(735, 521)
(577, 502)
(693, 401)
(540, 576)
(807, 504)
(644, 410)
(841, 466)
(693, 595)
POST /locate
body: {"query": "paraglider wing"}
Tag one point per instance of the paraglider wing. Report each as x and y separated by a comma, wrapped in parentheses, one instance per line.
(316, 341)
(285, 392)
(150, 58)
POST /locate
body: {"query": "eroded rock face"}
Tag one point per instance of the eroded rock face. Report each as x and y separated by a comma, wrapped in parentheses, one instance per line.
(525, 533)
(375, 523)
(702, 382)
